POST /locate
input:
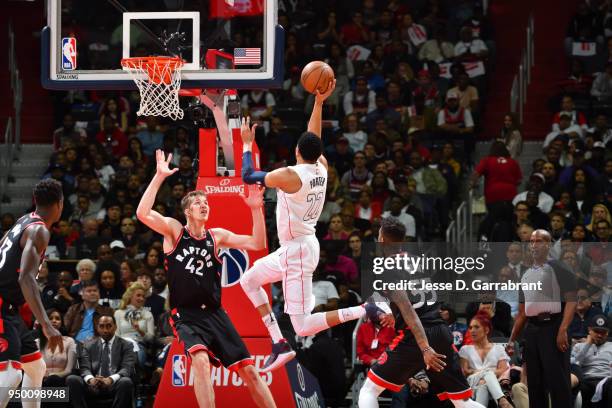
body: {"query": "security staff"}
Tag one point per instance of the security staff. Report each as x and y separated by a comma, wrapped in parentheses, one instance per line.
(548, 313)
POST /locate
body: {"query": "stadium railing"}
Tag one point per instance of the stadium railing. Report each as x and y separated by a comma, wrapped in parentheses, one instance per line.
(461, 229)
(16, 85)
(6, 162)
(518, 92)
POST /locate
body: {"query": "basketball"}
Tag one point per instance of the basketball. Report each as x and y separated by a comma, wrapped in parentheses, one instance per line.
(316, 75)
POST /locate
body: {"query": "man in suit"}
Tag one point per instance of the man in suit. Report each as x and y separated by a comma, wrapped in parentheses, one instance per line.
(106, 364)
(514, 254)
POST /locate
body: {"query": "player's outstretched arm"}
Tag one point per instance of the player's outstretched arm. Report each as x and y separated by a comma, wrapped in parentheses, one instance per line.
(283, 178)
(165, 226)
(432, 359)
(316, 117)
(255, 241)
(36, 240)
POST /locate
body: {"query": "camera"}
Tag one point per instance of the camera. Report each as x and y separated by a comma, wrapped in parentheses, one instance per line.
(233, 109)
(200, 115)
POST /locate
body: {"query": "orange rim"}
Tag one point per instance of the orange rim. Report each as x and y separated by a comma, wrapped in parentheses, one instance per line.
(158, 69)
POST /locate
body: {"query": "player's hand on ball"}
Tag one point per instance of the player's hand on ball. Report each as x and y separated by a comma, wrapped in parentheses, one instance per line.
(320, 97)
(247, 133)
(255, 197)
(163, 164)
(433, 360)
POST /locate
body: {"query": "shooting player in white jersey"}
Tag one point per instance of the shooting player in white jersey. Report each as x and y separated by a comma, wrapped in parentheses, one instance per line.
(300, 198)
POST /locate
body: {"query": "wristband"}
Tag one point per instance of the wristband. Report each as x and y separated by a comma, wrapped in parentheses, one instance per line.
(426, 349)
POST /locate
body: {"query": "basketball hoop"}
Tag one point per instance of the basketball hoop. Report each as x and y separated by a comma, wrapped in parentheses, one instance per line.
(158, 80)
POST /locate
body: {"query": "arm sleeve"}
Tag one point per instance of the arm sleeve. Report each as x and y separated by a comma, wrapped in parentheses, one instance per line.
(249, 175)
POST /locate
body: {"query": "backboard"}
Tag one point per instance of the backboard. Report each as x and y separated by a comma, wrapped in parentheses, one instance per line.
(224, 43)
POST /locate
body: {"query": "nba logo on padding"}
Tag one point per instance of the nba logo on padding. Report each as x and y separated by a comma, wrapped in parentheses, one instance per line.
(179, 370)
(69, 54)
(235, 264)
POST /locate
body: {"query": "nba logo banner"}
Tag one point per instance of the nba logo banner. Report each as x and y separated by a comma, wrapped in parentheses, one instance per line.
(179, 370)
(69, 54)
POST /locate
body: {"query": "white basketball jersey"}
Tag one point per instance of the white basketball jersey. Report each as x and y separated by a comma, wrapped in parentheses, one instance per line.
(297, 214)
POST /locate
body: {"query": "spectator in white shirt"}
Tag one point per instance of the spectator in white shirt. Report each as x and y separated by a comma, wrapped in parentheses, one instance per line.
(360, 101)
(565, 127)
(437, 49)
(324, 291)
(536, 183)
(356, 137)
(396, 210)
(469, 48)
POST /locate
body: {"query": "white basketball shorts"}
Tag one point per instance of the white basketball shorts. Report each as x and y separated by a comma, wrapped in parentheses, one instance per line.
(294, 264)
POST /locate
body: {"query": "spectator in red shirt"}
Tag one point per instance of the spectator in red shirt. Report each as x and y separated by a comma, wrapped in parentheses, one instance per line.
(372, 340)
(112, 138)
(355, 32)
(502, 176)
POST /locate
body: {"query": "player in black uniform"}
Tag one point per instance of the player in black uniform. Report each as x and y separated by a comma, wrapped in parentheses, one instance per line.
(194, 283)
(21, 250)
(420, 329)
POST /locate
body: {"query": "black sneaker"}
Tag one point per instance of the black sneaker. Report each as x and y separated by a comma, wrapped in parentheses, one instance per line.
(373, 312)
(281, 354)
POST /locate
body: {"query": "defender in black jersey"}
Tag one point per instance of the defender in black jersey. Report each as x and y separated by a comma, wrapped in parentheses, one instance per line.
(21, 250)
(194, 283)
(420, 331)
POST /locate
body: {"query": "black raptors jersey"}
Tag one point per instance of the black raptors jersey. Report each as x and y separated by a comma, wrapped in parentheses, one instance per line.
(194, 272)
(10, 260)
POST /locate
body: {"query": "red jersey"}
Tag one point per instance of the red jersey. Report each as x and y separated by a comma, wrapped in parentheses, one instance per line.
(502, 175)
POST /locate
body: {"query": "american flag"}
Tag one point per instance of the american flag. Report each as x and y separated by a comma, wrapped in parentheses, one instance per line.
(247, 56)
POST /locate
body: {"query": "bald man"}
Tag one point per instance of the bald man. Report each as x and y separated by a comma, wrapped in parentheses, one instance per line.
(548, 313)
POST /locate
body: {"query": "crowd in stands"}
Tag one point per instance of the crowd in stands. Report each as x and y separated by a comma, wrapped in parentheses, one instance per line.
(399, 135)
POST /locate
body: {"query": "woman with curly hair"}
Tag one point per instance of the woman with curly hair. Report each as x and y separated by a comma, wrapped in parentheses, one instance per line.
(134, 321)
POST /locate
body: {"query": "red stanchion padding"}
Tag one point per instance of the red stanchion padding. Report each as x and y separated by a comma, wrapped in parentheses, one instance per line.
(291, 386)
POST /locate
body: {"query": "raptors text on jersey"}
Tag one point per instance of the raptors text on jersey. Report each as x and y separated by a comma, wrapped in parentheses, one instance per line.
(194, 272)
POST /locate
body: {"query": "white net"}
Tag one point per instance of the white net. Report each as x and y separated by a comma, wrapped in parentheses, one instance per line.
(158, 80)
